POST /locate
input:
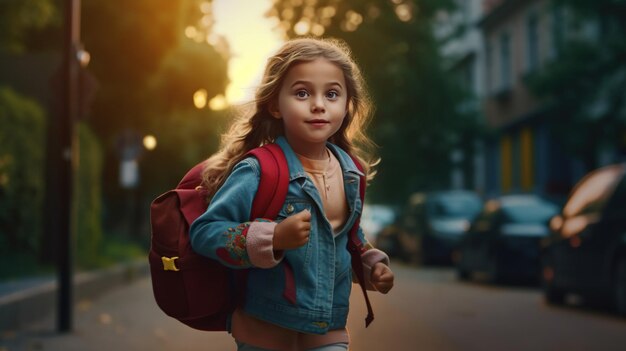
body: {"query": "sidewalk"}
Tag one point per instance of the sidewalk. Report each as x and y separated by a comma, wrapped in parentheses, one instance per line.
(123, 319)
(23, 302)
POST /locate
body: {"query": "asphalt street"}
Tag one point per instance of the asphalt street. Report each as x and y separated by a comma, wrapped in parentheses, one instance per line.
(428, 309)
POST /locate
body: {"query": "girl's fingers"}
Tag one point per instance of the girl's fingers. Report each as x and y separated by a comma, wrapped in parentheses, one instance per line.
(386, 276)
(380, 269)
(305, 215)
(382, 274)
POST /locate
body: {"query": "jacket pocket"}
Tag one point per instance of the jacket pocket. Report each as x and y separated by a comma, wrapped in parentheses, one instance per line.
(343, 287)
(292, 206)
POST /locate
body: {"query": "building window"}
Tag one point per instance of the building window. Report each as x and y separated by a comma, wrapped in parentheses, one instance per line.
(489, 65)
(532, 42)
(506, 163)
(526, 159)
(505, 62)
(557, 30)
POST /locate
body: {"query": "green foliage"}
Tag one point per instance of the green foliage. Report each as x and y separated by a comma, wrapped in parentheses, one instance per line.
(185, 138)
(22, 124)
(137, 51)
(185, 70)
(119, 248)
(583, 87)
(127, 43)
(417, 122)
(88, 198)
(147, 72)
(19, 17)
(19, 264)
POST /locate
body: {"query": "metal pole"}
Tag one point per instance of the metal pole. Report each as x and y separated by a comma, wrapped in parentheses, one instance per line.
(68, 117)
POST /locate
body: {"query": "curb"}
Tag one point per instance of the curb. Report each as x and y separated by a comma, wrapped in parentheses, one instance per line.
(20, 308)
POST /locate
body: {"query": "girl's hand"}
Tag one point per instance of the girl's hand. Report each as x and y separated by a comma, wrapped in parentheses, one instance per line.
(293, 231)
(382, 277)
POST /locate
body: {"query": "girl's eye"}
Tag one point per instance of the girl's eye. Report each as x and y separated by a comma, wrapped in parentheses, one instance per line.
(302, 93)
(332, 94)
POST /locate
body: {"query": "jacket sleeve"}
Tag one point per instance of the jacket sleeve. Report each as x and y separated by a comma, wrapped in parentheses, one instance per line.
(369, 258)
(226, 233)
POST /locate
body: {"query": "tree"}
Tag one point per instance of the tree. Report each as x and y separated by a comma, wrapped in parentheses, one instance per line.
(416, 123)
(148, 66)
(19, 18)
(583, 87)
(22, 124)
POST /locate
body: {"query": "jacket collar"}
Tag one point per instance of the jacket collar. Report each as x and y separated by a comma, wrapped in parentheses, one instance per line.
(295, 166)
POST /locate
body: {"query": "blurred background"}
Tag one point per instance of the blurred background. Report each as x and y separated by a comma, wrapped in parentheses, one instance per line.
(501, 125)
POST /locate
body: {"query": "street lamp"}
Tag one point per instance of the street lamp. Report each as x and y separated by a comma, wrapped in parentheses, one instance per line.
(200, 98)
(66, 160)
(149, 142)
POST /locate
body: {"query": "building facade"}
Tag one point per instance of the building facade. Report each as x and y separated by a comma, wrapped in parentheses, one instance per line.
(521, 37)
(465, 57)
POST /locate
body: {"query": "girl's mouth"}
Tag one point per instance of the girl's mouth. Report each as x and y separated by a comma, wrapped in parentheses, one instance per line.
(318, 122)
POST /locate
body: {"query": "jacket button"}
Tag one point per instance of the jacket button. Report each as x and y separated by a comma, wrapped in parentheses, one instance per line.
(322, 325)
(290, 208)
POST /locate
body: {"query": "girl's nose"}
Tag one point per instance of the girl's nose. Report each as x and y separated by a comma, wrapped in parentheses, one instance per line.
(318, 105)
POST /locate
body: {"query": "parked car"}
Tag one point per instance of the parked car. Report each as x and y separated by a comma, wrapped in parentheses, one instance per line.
(375, 217)
(504, 240)
(586, 251)
(387, 239)
(432, 224)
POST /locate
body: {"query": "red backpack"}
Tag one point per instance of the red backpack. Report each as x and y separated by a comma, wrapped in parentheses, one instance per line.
(196, 290)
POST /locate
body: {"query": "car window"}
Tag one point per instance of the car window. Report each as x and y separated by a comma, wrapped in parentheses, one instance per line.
(532, 212)
(454, 206)
(592, 193)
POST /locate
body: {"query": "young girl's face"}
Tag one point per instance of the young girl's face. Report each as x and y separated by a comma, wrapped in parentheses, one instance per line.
(312, 102)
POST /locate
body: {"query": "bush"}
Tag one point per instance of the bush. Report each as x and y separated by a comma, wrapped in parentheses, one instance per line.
(94, 248)
(88, 199)
(22, 126)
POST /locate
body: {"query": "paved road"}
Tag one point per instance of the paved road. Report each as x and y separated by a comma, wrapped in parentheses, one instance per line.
(427, 310)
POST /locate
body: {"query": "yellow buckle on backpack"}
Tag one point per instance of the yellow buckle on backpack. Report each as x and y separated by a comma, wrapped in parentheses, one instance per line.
(169, 264)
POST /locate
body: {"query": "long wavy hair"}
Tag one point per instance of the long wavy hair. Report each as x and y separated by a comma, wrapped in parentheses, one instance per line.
(257, 127)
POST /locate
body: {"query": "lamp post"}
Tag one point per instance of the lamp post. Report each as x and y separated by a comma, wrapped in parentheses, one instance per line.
(67, 161)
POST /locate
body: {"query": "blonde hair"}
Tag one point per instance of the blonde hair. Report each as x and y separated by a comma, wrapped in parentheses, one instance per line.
(258, 127)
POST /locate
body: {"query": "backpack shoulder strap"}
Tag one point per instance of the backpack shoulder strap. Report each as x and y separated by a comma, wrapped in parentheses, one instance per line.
(273, 184)
(269, 199)
(355, 246)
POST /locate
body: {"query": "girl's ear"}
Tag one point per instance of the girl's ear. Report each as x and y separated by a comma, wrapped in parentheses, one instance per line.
(273, 108)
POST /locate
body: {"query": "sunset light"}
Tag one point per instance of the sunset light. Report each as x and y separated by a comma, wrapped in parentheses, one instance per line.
(200, 98)
(251, 37)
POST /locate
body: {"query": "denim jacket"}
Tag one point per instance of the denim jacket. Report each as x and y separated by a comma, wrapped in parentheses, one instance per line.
(321, 268)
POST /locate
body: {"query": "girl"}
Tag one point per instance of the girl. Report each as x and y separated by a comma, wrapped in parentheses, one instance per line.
(311, 103)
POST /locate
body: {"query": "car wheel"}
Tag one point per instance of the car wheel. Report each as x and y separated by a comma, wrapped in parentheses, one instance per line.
(495, 271)
(553, 295)
(619, 286)
(462, 274)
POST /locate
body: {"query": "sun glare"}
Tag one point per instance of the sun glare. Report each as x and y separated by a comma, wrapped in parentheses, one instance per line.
(251, 38)
(218, 103)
